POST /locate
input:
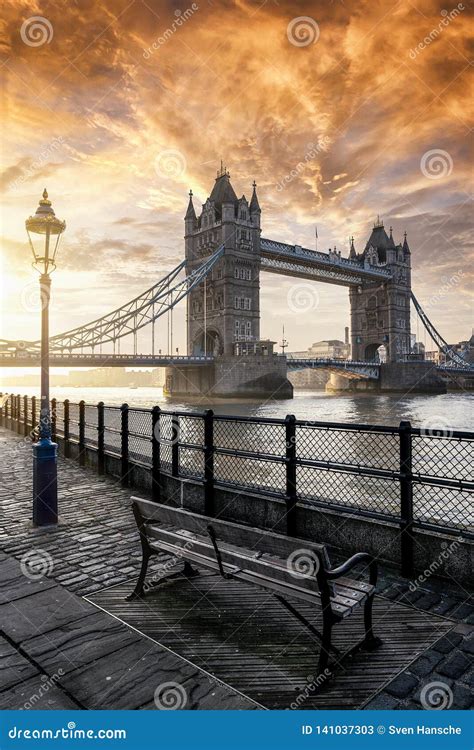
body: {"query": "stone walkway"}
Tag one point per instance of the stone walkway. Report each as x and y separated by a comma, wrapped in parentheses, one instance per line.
(95, 546)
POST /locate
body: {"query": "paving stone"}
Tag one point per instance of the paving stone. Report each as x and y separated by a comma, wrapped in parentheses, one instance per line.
(426, 663)
(14, 584)
(36, 693)
(129, 679)
(402, 685)
(382, 702)
(467, 644)
(41, 612)
(14, 668)
(462, 697)
(80, 642)
(448, 642)
(454, 665)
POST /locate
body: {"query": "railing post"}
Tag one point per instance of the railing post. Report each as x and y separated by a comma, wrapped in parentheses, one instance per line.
(175, 445)
(209, 497)
(12, 411)
(406, 500)
(124, 446)
(100, 438)
(18, 414)
(82, 433)
(53, 420)
(155, 454)
(33, 417)
(5, 413)
(25, 416)
(67, 445)
(290, 438)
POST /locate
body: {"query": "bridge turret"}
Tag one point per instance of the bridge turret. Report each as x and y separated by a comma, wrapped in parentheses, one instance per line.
(380, 312)
(231, 311)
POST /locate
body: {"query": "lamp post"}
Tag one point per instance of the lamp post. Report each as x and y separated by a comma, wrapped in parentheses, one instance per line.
(45, 484)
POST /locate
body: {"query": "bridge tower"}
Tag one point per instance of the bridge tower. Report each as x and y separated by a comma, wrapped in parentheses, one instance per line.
(380, 311)
(225, 309)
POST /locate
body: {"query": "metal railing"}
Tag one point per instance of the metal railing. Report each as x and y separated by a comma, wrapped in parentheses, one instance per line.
(414, 477)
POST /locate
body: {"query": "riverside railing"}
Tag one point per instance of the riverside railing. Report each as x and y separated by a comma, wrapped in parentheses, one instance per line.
(413, 476)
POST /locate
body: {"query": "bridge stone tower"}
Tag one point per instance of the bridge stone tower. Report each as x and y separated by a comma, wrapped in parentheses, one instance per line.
(225, 309)
(380, 311)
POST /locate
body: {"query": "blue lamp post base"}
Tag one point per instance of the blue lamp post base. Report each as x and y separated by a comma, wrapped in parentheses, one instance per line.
(45, 482)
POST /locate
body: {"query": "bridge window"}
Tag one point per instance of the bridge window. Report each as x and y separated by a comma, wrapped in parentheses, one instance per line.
(248, 328)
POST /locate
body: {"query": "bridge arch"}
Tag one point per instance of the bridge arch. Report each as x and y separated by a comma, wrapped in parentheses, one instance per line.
(214, 344)
(376, 353)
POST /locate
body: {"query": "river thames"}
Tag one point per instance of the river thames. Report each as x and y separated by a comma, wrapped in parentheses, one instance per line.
(452, 411)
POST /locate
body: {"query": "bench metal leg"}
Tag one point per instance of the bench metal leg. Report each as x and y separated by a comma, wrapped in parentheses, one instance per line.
(305, 621)
(370, 642)
(326, 645)
(189, 571)
(137, 593)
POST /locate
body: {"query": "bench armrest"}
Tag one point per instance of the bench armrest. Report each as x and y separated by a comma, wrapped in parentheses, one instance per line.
(360, 557)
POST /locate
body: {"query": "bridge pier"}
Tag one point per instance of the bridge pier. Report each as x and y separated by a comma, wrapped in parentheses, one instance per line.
(395, 377)
(250, 376)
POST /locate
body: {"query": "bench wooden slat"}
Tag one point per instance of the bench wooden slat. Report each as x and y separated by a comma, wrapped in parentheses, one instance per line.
(189, 546)
(227, 531)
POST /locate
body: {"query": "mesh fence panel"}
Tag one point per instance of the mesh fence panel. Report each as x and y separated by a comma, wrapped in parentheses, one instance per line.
(250, 473)
(60, 418)
(254, 437)
(139, 435)
(90, 431)
(376, 450)
(112, 429)
(166, 438)
(74, 421)
(354, 491)
(443, 506)
(448, 457)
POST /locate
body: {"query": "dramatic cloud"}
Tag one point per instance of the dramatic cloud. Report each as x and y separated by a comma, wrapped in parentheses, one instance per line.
(122, 105)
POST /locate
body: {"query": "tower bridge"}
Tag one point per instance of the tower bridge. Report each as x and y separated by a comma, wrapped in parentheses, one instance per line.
(219, 279)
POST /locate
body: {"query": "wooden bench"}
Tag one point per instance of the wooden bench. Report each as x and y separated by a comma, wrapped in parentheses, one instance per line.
(290, 568)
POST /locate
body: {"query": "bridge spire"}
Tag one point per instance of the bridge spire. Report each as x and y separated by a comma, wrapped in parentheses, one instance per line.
(352, 251)
(190, 213)
(254, 204)
(405, 244)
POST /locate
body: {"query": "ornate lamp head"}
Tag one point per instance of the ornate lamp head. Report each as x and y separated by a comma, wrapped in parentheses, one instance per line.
(45, 222)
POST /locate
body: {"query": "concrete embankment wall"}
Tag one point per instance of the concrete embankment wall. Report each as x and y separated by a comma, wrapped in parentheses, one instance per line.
(436, 553)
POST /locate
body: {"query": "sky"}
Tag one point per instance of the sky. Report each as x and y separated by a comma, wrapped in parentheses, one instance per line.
(340, 111)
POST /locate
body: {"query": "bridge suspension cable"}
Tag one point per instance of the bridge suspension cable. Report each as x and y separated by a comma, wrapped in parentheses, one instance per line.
(442, 345)
(135, 314)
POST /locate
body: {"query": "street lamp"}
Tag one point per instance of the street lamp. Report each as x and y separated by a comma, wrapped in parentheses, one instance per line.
(45, 481)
